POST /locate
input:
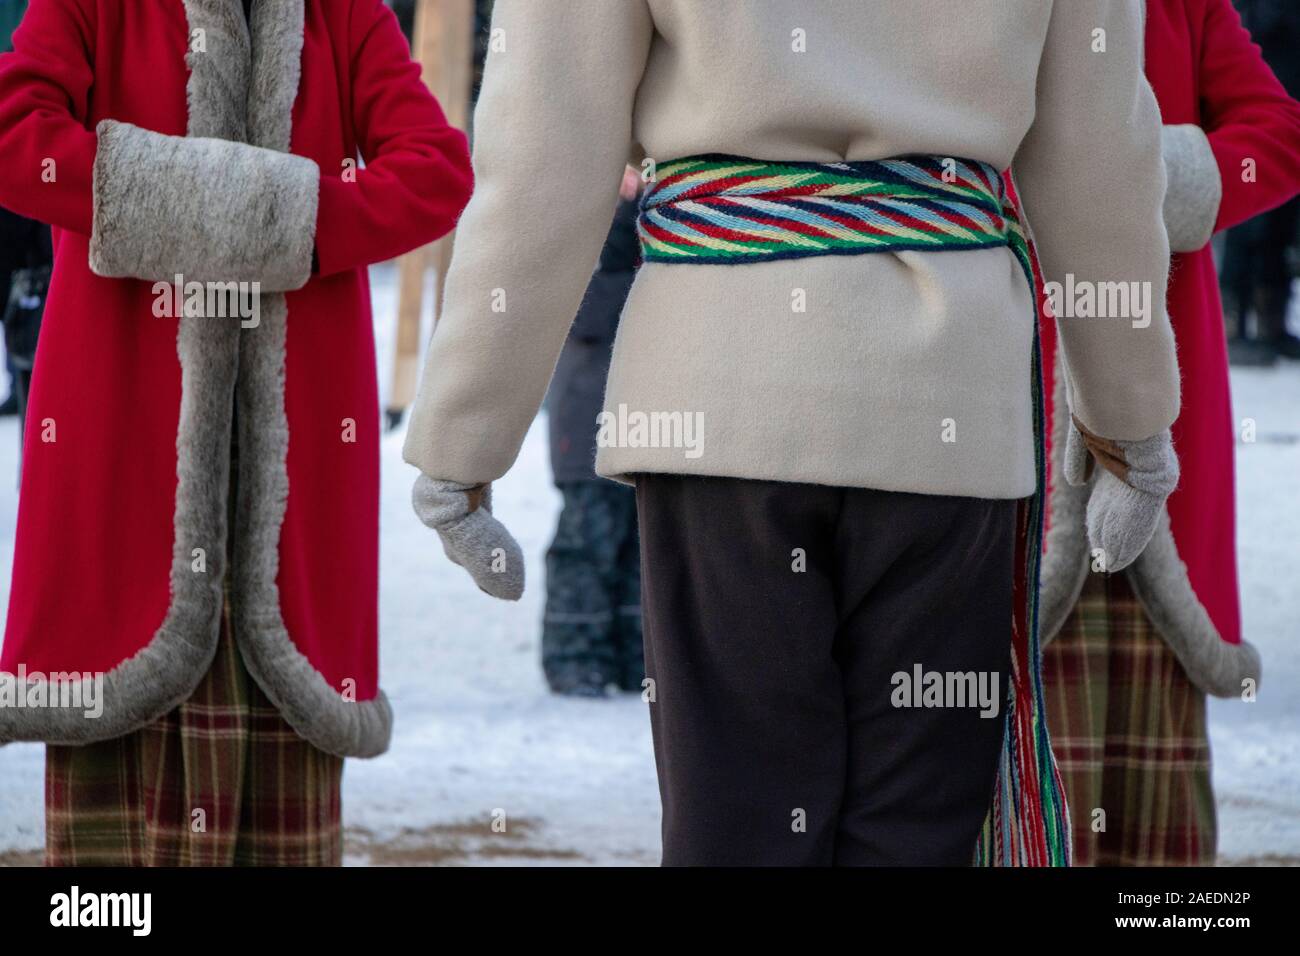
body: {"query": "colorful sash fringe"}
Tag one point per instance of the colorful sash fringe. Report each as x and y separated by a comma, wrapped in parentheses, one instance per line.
(725, 210)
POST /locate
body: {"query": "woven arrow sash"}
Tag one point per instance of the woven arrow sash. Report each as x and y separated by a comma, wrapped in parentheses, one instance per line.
(725, 210)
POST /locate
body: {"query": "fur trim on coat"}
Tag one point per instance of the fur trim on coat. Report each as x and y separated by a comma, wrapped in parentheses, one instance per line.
(1158, 577)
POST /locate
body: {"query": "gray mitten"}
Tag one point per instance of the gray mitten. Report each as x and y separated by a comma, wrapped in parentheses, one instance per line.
(1130, 492)
(471, 536)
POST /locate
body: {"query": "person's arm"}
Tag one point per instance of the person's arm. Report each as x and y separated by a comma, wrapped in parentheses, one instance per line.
(1241, 160)
(45, 83)
(1092, 182)
(119, 183)
(417, 175)
(552, 131)
(256, 214)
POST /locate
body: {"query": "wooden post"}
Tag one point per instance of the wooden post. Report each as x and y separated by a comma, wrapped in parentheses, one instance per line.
(444, 46)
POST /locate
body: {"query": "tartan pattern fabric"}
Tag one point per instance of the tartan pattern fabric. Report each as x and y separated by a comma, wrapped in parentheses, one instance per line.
(267, 797)
(1129, 730)
(728, 210)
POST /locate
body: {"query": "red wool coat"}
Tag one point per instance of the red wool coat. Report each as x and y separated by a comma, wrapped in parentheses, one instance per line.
(1205, 71)
(111, 512)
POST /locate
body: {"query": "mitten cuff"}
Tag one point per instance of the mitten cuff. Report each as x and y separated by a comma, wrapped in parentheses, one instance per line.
(208, 210)
(439, 503)
(1103, 451)
(1148, 465)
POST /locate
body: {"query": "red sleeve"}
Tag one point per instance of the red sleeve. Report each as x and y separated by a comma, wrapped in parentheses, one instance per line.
(1247, 115)
(417, 176)
(45, 82)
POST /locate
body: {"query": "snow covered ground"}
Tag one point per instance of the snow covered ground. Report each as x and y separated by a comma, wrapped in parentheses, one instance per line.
(1256, 746)
(478, 738)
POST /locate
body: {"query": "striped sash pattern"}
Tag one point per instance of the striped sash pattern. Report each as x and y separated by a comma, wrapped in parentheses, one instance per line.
(726, 210)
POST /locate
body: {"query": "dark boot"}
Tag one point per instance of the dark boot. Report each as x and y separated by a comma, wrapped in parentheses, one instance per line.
(1243, 351)
(579, 644)
(1250, 353)
(1271, 305)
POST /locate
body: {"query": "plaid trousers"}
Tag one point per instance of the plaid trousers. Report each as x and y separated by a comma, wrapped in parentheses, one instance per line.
(1129, 732)
(221, 780)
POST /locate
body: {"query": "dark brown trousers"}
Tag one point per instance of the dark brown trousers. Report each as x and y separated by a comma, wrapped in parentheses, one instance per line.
(777, 617)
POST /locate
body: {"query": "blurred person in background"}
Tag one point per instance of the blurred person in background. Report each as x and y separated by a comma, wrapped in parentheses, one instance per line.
(1133, 654)
(591, 631)
(24, 245)
(1258, 255)
(205, 475)
(26, 255)
(11, 14)
(483, 36)
(404, 10)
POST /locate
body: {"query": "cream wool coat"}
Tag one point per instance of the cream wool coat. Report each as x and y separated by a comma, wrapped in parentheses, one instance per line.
(892, 353)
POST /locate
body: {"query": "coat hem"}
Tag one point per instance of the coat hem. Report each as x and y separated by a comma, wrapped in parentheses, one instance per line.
(315, 710)
(1158, 578)
(135, 693)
